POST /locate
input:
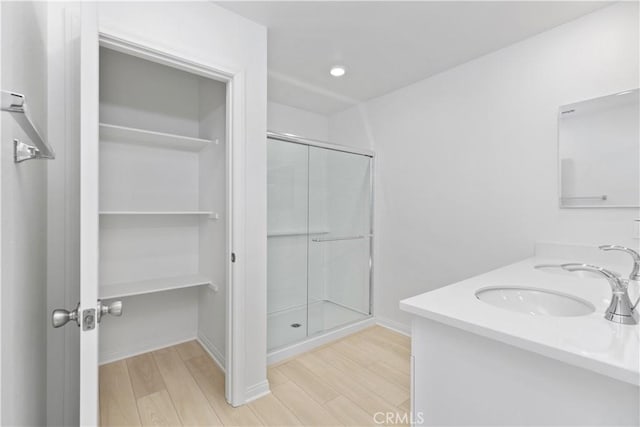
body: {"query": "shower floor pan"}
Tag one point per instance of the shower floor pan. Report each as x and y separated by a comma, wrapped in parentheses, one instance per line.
(289, 326)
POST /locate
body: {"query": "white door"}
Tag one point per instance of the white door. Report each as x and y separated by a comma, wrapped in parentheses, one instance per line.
(79, 57)
(89, 101)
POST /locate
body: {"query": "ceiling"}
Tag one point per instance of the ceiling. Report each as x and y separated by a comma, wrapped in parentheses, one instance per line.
(386, 45)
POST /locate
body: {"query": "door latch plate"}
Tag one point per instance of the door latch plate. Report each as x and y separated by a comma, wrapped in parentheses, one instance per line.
(89, 319)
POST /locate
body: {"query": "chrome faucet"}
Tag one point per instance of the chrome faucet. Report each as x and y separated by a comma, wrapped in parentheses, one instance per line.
(635, 272)
(620, 310)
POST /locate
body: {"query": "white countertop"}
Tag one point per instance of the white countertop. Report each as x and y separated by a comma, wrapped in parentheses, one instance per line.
(590, 341)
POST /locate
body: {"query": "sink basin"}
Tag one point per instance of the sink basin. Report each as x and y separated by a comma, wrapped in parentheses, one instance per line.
(535, 302)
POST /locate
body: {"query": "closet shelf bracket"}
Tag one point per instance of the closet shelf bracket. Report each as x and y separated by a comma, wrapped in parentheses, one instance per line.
(16, 104)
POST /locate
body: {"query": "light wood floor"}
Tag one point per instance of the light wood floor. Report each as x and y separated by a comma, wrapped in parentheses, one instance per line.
(343, 383)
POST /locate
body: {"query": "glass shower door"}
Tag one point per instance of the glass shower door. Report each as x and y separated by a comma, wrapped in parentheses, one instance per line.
(319, 240)
(287, 225)
(339, 244)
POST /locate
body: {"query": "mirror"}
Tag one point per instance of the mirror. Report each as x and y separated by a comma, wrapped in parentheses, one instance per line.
(599, 152)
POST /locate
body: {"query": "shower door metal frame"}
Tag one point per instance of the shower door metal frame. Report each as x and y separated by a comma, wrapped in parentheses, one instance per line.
(295, 139)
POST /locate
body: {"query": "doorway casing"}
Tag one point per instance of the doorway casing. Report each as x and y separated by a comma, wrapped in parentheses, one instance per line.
(234, 78)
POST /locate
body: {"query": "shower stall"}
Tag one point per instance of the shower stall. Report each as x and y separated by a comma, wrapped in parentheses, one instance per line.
(320, 238)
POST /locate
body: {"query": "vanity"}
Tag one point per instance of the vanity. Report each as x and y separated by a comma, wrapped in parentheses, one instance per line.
(553, 339)
(526, 346)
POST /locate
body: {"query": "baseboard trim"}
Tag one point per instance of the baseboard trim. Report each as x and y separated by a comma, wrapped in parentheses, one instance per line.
(119, 355)
(398, 327)
(314, 342)
(257, 391)
(213, 352)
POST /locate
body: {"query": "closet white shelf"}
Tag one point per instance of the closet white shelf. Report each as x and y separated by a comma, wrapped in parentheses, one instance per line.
(210, 214)
(287, 233)
(128, 135)
(127, 289)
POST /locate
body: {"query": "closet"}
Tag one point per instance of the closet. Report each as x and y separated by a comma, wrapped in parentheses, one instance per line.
(163, 206)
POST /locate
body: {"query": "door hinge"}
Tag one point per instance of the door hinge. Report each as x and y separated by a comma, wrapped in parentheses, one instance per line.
(89, 319)
(233, 257)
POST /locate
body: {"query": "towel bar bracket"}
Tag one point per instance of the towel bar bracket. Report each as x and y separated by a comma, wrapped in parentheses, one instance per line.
(16, 105)
(22, 151)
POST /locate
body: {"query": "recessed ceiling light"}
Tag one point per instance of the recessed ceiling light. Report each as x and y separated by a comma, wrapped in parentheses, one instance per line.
(337, 71)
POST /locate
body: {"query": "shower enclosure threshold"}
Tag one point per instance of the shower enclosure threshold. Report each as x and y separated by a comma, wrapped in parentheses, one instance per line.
(298, 342)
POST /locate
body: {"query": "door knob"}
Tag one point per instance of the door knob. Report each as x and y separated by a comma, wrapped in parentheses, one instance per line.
(61, 317)
(114, 308)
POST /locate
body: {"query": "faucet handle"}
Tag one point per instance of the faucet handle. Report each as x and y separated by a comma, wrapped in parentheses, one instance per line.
(617, 283)
(635, 272)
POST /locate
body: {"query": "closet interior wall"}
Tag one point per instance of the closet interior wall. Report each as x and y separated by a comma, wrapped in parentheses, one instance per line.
(162, 206)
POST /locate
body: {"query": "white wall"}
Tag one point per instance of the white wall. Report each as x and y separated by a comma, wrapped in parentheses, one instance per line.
(285, 119)
(130, 95)
(352, 127)
(467, 160)
(212, 308)
(23, 292)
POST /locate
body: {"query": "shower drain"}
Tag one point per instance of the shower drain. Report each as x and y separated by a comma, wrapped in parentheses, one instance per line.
(295, 325)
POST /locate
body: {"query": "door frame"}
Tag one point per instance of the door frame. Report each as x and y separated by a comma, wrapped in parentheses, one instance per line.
(1, 194)
(234, 78)
(235, 140)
